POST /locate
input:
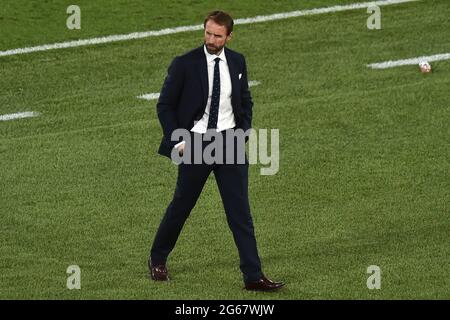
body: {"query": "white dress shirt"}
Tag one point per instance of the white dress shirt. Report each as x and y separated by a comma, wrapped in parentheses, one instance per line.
(226, 117)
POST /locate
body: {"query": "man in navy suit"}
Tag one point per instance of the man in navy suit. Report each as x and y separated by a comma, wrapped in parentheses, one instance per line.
(207, 89)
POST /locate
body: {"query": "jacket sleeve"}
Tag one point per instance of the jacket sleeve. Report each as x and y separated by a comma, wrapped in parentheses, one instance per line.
(168, 99)
(246, 102)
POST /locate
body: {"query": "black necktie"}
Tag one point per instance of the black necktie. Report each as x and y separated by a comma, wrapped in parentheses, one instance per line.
(215, 97)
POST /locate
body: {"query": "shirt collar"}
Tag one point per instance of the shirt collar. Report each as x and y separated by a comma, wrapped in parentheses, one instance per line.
(211, 57)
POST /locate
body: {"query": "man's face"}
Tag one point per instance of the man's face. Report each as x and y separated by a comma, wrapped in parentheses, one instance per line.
(215, 37)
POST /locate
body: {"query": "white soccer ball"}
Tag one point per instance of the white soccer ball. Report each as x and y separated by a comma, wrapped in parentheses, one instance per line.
(425, 67)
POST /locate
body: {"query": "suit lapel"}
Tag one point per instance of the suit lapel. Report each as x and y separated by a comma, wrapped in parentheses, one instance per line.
(233, 75)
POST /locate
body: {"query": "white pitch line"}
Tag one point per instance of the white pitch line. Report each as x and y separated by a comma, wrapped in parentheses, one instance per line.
(392, 64)
(154, 96)
(309, 12)
(146, 34)
(19, 115)
(149, 96)
(253, 83)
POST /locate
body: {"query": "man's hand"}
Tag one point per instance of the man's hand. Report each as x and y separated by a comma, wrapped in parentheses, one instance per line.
(180, 149)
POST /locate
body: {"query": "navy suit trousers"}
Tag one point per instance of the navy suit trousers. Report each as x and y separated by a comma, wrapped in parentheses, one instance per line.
(232, 181)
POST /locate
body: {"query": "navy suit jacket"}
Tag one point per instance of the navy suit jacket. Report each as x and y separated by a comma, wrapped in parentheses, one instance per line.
(184, 94)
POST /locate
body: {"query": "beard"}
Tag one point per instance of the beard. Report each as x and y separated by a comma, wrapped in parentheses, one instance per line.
(212, 49)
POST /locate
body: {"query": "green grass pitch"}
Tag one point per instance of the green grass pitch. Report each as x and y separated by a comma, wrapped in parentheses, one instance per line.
(363, 177)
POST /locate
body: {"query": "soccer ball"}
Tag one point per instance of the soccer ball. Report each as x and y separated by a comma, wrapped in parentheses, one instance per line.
(425, 67)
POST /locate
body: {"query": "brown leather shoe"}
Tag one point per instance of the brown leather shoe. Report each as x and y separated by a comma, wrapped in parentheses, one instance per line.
(263, 284)
(159, 272)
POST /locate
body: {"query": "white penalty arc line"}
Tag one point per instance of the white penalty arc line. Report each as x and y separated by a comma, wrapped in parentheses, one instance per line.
(154, 96)
(19, 115)
(411, 61)
(146, 34)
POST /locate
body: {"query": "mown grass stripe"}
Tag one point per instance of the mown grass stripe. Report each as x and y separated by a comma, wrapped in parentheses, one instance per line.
(146, 34)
